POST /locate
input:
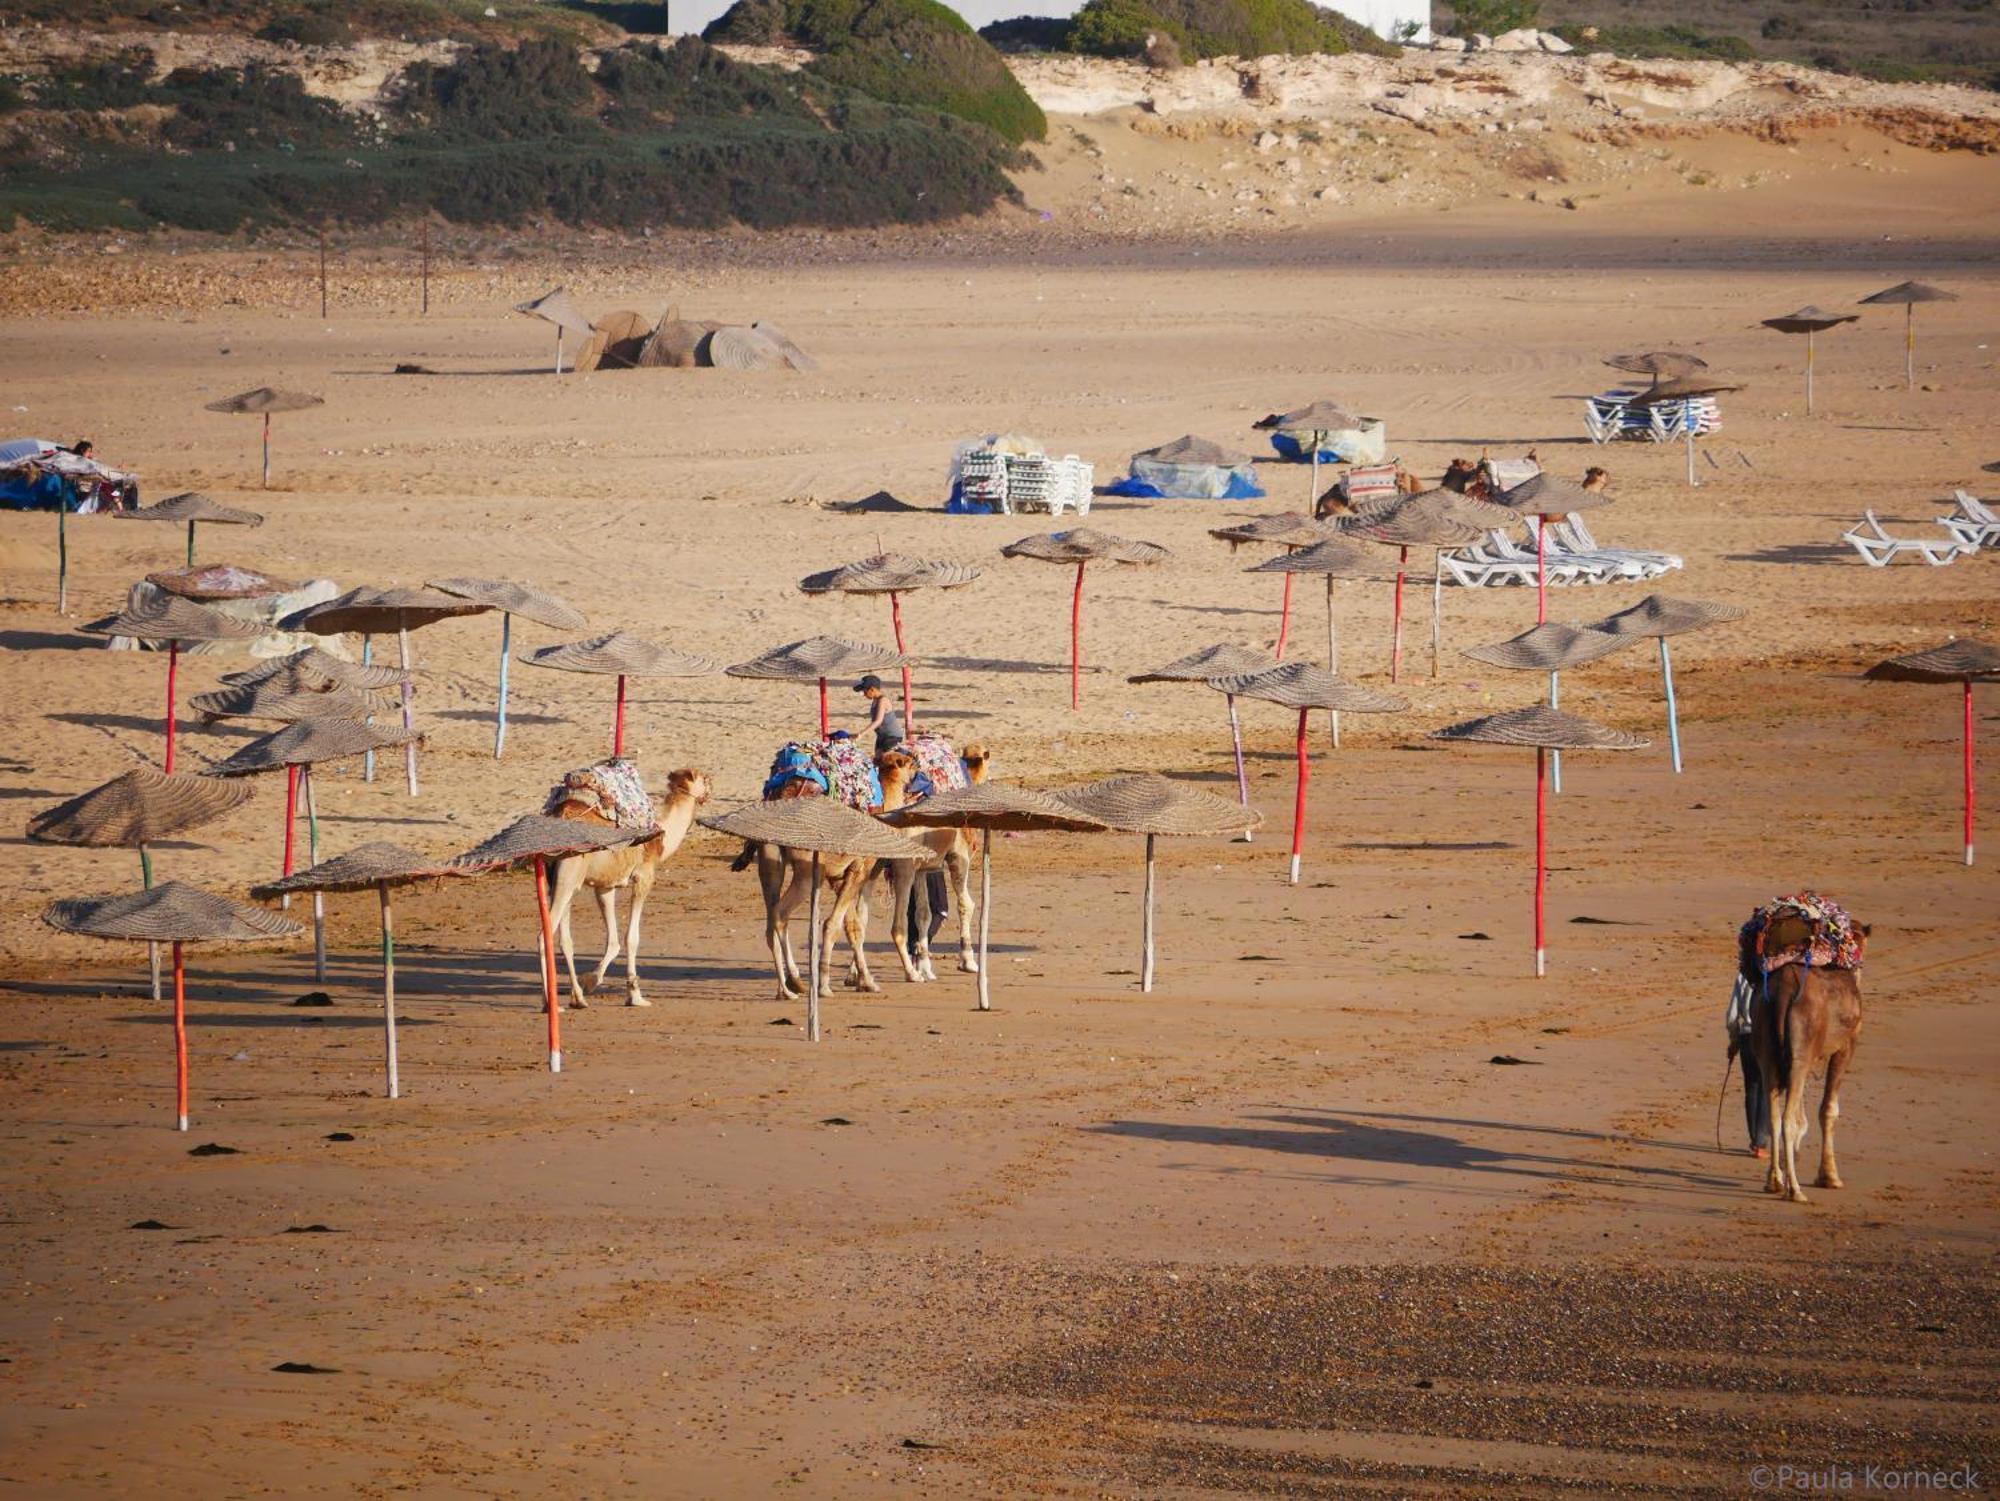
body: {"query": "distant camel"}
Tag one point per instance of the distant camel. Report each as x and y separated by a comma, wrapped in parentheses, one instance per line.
(1802, 1018)
(953, 849)
(785, 877)
(605, 871)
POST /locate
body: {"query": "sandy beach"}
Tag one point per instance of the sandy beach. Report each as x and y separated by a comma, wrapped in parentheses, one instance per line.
(1287, 1226)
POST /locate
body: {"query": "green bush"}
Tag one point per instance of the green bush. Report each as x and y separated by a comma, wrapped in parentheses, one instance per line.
(1217, 28)
(1491, 17)
(915, 52)
(1680, 41)
(315, 26)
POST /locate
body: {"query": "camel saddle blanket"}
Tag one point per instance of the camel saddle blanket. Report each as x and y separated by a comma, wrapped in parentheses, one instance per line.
(610, 789)
(937, 761)
(837, 766)
(1806, 928)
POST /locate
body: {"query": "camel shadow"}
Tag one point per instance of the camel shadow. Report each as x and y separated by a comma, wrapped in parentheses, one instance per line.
(47, 641)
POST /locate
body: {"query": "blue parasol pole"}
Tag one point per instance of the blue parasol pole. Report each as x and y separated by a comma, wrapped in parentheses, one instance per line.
(1673, 710)
(506, 645)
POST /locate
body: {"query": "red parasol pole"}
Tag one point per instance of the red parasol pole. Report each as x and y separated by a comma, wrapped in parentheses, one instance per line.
(1396, 650)
(1076, 642)
(1541, 569)
(1299, 805)
(618, 725)
(548, 966)
(1541, 855)
(291, 818)
(1284, 620)
(1968, 771)
(180, 1039)
(173, 671)
(896, 619)
(825, 727)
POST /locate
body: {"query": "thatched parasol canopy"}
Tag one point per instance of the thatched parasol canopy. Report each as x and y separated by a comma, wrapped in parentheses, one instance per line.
(141, 807)
(265, 401)
(1147, 803)
(512, 598)
(819, 657)
(889, 573)
(316, 668)
(364, 868)
(172, 912)
(1661, 615)
(1305, 686)
(1085, 545)
(372, 611)
(816, 825)
(174, 619)
(309, 742)
(193, 506)
(1550, 647)
(1223, 659)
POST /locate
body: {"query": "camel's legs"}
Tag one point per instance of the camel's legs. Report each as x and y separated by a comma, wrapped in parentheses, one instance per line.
(851, 898)
(607, 908)
(771, 872)
(642, 887)
(1795, 1124)
(920, 887)
(568, 881)
(958, 867)
(1774, 1108)
(902, 879)
(1829, 1112)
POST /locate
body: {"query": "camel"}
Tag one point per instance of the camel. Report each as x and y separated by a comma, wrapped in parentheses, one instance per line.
(1802, 1018)
(606, 871)
(785, 876)
(953, 849)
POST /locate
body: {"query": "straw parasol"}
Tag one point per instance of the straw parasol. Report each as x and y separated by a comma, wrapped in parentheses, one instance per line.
(1545, 729)
(894, 574)
(282, 698)
(1549, 647)
(132, 811)
(559, 308)
(1153, 805)
(378, 866)
(401, 610)
(532, 841)
(816, 659)
(297, 748)
(1685, 389)
(1288, 529)
(193, 507)
(265, 402)
(622, 656)
(1809, 321)
(1907, 294)
(316, 668)
(1315, 421)
(1542, 496)
(172, 912)
(512, 599)
(1436, 519)
(1301, 686)
(173, 621)
(1204, 665)
(1660, 364)
(819, 826)
(1957, 661)
(1082, 546)
(1337, 558)
(1659, 616)
(206, 583)
(987, 806)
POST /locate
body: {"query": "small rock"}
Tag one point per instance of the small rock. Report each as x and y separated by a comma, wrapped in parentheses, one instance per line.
(314, 998)
(303, 1368)
(1267, 141)
(1553, 43)
(212, 1149)
(836, 1120)
(340, 1136)
(152, 1225)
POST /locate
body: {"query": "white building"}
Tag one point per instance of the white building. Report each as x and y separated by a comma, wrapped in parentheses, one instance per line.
(1388, 18)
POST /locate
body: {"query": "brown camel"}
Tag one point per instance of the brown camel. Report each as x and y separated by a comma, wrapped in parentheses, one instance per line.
(953, 849)
(606, 871)
(785, 877)
(1802, 1018)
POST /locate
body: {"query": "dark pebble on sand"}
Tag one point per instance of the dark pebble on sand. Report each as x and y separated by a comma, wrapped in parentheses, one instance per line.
(836, 1120)
(303, 1368)
(314, 998)
(1477, 937)
(152, 1225)
(212, 1149)
(1510, 1058)
(308, 1229)
(340, 1136)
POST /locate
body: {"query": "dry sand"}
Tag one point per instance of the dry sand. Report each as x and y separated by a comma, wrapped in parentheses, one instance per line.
(1282, 1227)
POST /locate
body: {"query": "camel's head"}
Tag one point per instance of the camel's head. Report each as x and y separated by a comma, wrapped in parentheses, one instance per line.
(688, 783)
(896, 768)
(1596, 477)
(977, 762)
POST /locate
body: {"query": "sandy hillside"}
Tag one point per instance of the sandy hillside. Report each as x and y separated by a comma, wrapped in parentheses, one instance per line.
(1350, 1206)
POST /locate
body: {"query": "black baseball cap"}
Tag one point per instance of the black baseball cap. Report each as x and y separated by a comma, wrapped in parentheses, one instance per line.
(871, 681)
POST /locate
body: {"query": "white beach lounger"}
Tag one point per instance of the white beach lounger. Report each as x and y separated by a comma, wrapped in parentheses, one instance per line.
(1973, 522)
(1878, 549)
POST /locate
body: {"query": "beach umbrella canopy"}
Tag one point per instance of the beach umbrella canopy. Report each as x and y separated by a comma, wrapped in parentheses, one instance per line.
(988, 806)
(171, 621)
(1542, 496)
(1659, 616)
(511, 599)
(265, 402)
(1150, 804)
(1208, 662)
(1906, 295)
(316, 668)
(1304, 687)
(622, 656)
(1549, 647)
(1335, 557)
(174, 913)
(380, 867)
(559, 308)
(1960, 661)
(1661, 364)
(1436, 519)
(1809, 321)
(1547, 730)
(1685, 387)
(282, 698)
(1288, 529)
(894, 574)
(189, 509)
(370, 611)
(816, 659)
(531, 841)
(818, 826)
(1314, 421)
(1082, 545)
(206, 583)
